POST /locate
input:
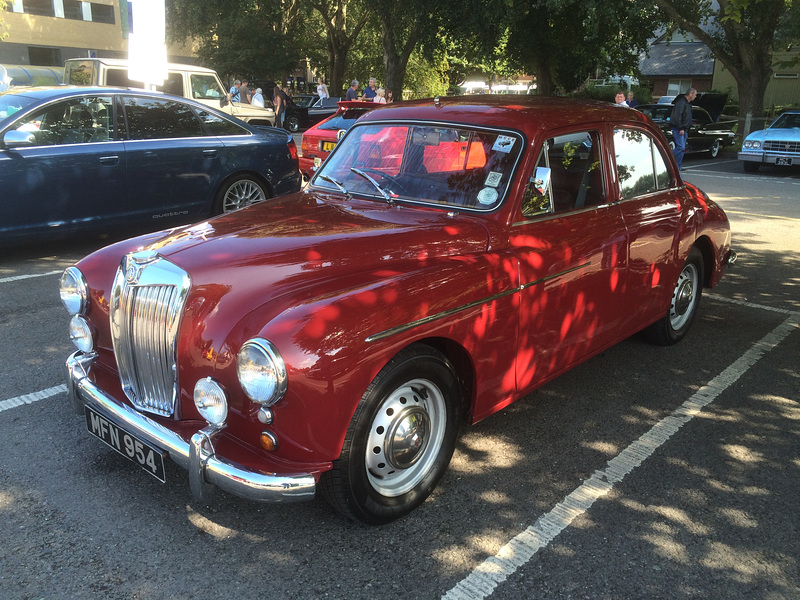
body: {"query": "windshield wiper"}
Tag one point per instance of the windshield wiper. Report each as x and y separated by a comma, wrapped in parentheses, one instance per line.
(378, 187)
(338, 184)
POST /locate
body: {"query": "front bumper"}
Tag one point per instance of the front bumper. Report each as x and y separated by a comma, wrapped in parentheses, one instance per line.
(770, 159)
(197, 456)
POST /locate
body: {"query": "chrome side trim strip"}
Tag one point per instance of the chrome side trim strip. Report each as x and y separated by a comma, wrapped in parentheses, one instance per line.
(198, 456)
(451, 311)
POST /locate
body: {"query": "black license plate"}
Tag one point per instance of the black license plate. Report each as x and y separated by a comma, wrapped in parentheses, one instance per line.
(131, 447)
(787, 162)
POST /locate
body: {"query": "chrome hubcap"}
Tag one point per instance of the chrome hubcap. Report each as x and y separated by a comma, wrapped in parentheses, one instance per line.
(405, 437)
(242, 193)
(684, 298)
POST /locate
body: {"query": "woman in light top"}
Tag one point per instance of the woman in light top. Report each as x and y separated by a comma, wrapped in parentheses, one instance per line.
(381, 97)
(322, 89)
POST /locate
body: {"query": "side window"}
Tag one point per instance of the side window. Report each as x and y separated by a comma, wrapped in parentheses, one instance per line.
(216, 125)
(205, 87)
(154, 118)
(641, 169)
(576, 175)
(75, 121)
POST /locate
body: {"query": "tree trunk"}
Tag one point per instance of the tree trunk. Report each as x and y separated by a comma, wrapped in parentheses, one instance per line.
(395, 62)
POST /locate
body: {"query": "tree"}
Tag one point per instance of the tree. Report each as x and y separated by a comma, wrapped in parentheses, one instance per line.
(561, 41)
(742, 35)
(3, 33)
(242, 37)
(343, 21)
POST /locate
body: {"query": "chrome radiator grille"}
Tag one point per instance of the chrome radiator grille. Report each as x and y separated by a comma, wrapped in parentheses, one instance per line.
(146, 306)
(787, 147)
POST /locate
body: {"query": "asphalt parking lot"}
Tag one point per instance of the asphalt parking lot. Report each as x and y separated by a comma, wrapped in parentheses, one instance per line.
(646, 472)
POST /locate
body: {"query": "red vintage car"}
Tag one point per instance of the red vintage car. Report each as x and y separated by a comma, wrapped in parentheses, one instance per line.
(319, 140)
(449, 257)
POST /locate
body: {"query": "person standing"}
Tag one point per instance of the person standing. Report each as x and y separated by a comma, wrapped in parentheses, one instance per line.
(680, 121)
(244, 92)
(352, 91)
(631, 101)
(257, 99)
(280, 105)
(389, 96)
(235, 96)
(381, 97)
(370, 92)
(619, 99)
(322, 89)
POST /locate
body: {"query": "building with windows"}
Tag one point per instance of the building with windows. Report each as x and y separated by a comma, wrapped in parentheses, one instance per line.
(48, 32)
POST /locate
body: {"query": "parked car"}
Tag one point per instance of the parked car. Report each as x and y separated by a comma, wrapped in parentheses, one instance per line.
(189, 81)
(106, 157)
(448, 258)
(322, 109)
(305, 100)
(705, 135)
(30, 75)
(318, 141)
(779, 144)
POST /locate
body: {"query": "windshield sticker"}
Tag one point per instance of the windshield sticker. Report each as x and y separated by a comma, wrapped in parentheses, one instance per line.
(493, 179)
(503, 143)
(487, 196)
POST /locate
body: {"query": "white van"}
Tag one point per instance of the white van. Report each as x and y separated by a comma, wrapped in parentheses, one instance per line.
(189, 81)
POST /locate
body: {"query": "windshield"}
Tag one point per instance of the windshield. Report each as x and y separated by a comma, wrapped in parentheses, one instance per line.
(787, 121)
(12, 103)
(442, 165)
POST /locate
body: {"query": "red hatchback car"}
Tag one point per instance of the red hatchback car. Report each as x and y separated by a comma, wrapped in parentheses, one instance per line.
(322, 138)
(447, 259)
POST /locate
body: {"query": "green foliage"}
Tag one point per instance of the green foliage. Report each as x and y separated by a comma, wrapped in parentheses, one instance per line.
(3, 26)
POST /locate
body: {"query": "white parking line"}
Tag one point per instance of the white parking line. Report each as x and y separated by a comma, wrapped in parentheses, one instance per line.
(483, 580)
(31, 398)
(20, 277)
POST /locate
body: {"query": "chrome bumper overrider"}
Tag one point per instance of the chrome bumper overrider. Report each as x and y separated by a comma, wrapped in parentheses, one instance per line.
(205, 468)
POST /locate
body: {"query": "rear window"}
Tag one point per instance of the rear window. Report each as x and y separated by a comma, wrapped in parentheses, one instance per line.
(343, 121)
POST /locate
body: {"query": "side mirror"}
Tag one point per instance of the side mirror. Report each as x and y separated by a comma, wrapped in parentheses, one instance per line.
(15, 139)
(541, 180)
(223, 102)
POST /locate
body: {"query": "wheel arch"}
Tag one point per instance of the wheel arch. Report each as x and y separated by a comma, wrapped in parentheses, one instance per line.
(268, 189)
(703, 244)
(464, 366)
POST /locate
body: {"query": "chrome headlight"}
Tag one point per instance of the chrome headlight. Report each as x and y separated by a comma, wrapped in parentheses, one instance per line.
(262, 372)
(751, 145)
(81, 334)
(74, 291)
(210, 400)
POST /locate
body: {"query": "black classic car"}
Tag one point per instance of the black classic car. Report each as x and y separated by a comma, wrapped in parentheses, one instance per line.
(707, 134)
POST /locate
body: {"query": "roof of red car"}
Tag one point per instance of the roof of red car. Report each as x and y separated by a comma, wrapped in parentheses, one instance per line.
(507, 111)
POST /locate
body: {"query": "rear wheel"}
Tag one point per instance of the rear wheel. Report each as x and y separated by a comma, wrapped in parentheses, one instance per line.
(400, 440)
(713, 151)
(683, 306)
(239, 192)
(750, 166)
(293, 124)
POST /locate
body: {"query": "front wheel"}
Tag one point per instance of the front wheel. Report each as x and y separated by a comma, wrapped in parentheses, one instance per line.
(713, 151)
(293, 124)
(684, 303)
(400, 440)
(237, 193)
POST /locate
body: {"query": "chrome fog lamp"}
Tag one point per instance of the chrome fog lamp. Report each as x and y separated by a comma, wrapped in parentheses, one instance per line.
(81, 334)
(74, 291)
(262, 372)
(210, 400)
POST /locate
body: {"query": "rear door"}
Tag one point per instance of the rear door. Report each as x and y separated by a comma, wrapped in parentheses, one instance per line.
(173, 166)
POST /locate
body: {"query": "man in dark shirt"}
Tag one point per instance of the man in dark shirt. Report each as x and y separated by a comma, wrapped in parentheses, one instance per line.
(370, 92)
(352, 91)
(680, 121)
